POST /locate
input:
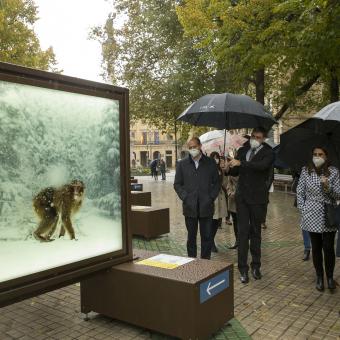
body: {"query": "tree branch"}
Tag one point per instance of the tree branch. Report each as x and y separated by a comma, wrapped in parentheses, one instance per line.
(298, 92)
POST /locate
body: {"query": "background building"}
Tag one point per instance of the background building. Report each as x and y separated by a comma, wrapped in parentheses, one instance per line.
(148, 143)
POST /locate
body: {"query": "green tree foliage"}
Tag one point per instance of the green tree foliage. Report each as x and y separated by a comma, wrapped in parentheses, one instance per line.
(292, 45)
(308, 34)
(150, 56)
(19, 43)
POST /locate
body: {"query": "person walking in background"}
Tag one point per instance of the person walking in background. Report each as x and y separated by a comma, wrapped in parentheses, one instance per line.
(252, 165)
(154, 169)
(319, 185)
(151, 168)
(162, 167)
(220, 204)
(306, 244)
(197, 184)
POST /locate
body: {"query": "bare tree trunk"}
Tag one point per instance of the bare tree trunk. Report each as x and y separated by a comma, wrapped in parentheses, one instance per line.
(176, 143)
(334, 87)
(259, 84)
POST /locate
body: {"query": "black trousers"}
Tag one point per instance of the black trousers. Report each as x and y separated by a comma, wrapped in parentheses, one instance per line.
(205, 224)
(323, 242)
(216, 223)
(234, 218)
(265, 214)
(250, 217)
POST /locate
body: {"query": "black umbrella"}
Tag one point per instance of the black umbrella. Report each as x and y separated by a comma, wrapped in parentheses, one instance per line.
(321, 130)
(227, 111)
(278, 163)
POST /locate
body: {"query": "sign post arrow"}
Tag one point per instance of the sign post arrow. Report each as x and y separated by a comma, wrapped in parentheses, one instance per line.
(210, 288)
(214, 285)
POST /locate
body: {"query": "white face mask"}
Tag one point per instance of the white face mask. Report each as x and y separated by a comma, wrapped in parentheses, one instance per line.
(254, 144)
(318, 161)
(194, 152)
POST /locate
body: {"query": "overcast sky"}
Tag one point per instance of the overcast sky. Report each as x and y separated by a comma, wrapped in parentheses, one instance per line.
(65, 25)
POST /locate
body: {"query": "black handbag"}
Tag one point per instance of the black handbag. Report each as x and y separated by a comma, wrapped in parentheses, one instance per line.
(331, 215)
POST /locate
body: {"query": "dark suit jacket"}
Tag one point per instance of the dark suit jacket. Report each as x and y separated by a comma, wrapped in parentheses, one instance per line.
(199, 188)
(254, 176)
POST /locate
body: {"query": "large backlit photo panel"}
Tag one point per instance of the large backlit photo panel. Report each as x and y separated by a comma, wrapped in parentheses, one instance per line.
(60, 190)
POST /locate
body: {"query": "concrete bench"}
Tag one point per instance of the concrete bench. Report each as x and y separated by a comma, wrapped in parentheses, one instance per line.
(149, 222)
(283, 181)
(141, 198)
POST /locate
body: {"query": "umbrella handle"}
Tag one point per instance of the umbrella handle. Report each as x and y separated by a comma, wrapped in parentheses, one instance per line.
(225, 136)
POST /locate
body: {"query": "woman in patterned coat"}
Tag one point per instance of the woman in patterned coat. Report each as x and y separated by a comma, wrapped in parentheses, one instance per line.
(319, 184)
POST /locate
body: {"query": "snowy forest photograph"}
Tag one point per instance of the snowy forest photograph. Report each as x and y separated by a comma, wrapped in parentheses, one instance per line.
(60, 198)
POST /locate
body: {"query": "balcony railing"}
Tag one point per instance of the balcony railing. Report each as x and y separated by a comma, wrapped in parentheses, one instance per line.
(161, 142)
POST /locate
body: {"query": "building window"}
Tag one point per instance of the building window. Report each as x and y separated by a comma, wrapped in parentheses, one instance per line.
(132, 135)
(168, 152)
(156, 136)
(144, 138)
(169, 137)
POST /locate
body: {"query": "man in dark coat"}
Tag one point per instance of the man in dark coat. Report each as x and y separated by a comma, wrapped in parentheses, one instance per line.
(253, 163)
(197, 184)
(153, 167)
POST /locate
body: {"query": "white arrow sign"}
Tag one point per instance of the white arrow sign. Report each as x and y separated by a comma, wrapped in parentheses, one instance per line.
(210, 288)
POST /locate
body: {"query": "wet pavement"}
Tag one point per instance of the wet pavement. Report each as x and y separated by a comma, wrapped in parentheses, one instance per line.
(283, 305)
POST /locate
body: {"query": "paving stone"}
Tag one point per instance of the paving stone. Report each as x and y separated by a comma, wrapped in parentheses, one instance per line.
(283, 305)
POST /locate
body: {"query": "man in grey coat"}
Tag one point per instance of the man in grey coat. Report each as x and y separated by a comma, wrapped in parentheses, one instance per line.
(197, 184)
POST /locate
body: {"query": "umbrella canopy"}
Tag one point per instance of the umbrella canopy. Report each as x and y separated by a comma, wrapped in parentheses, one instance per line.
(278, 163)
(321, 130)
(210, 135)
(227, 111)
(329, 112)
(221, 144)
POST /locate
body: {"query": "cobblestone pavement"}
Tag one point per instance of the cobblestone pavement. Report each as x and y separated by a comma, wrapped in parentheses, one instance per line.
(283, 305)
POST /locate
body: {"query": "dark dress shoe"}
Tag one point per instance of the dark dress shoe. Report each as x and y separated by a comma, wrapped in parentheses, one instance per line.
(244, 278)
(319, 284)
(306, 255)
(331, 283)
(256, 274)
(234, 246)
(214, 248)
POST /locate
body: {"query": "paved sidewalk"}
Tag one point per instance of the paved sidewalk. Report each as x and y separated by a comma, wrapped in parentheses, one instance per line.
(283, 305)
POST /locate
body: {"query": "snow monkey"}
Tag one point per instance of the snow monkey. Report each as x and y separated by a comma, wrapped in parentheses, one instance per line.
(51, 203)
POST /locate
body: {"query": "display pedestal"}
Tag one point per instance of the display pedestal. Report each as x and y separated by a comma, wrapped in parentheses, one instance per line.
(191, 301)
(141, 198)
(149, 222)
